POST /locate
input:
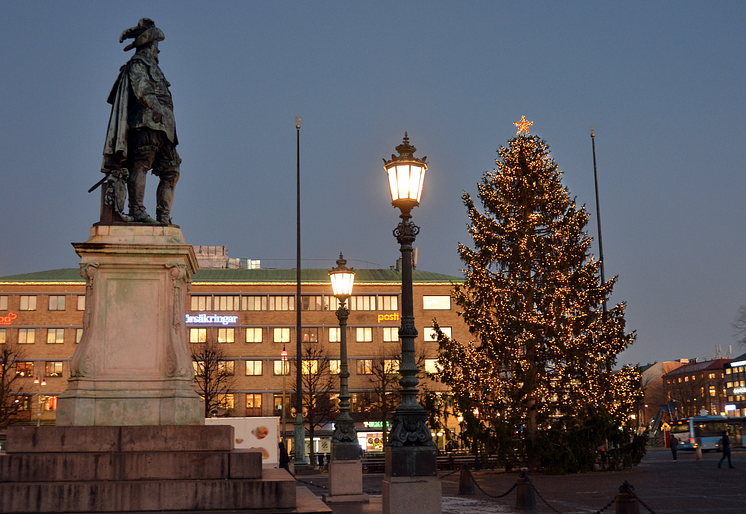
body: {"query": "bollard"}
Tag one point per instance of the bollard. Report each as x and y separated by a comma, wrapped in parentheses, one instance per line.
(465, 483)
(699, 454)
(626, 501)
(525, 499)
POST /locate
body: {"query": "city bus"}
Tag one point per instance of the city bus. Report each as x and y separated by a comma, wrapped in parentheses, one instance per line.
(703, 432)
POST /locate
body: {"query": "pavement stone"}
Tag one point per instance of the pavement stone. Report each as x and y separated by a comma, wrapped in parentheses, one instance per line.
(663, 485)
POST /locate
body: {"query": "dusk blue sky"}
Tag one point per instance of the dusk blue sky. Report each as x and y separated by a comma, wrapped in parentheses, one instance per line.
(662, 82)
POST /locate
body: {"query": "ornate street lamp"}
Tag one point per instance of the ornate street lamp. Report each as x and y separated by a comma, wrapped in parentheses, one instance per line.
(283, 365)
(343, 279)
(411, 451)
(345, 468)
(41, 382)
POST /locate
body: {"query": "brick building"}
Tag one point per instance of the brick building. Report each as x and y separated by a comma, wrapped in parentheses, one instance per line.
(252, 314)
(735, 386)
(696, 387)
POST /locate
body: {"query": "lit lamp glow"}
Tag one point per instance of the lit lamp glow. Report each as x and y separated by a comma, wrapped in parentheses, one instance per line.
(406, 176)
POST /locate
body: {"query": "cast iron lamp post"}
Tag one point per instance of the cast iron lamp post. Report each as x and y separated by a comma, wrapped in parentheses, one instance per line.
(283, 365)
(411, 461)
(342, 279)
(406, 175)
(41, 382)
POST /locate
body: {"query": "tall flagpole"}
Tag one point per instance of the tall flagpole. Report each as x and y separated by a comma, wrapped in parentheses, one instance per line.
(598, 214)
(299, 433)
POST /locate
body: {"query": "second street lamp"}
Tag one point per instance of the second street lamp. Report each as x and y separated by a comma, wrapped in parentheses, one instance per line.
(342, 279)
(345, 468)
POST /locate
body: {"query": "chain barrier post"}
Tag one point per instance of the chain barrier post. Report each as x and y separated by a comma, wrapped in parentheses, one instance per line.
(626, 500)
(525, 498)
(465, 482)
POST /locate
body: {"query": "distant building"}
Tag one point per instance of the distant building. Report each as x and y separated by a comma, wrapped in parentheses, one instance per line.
(697, 387)
(735, 386)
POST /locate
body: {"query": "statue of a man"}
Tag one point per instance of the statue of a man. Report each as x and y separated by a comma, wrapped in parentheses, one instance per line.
(142, 131)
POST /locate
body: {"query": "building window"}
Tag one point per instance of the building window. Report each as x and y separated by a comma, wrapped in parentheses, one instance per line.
(309, 335)
(201, 303)
(253, 404)
(310, 367)
(226, 303)
(56, 303)
(253, 335)
(226, 368)
(50, 403)
(281, 335)
(254, 303)
(363, 334)
(727, 371)
(54, 369)
(362, 302)
(28, 303)
(279, 369)
(312, 303)
(253, 368)
(436, 302)
(25, 369)
(432, 336)
(226, 335)
(277, 402)
(391, 366)
(431, 366)
(225, 401)
(3, 303)
(365, 366)
(335, 336)
(713, 393)
(197, 335)
(81, 302)
(388, 303)
(335, 366)
(2, 335)
(390, 334)
(711, 375)
(55, 336)
(26, 335)
(282, 303)
(78, 335)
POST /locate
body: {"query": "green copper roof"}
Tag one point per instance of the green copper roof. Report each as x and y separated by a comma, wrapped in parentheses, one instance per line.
(368, 276)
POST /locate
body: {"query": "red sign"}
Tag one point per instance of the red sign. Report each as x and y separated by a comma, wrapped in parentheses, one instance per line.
(6, 320)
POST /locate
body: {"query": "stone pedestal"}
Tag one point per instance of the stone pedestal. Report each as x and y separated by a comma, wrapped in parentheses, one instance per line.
(141, 469)
(410, 483)
(346, 482)
(132, 366)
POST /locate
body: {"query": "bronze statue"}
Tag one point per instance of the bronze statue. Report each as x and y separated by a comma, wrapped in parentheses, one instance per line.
(141, 134)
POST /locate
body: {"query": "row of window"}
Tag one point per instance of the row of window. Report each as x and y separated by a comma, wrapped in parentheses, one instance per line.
(54, 302)
(28, 335)
(203, 303)
(679, 380)
(359, 402)
(51, 368)
(311, 366)
(308, 334)
(739, 369)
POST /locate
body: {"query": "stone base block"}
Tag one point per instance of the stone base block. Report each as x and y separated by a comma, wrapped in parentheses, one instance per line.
(24, 439)
(276, 489)
(346, 482)
(412, 495)
(407, 461)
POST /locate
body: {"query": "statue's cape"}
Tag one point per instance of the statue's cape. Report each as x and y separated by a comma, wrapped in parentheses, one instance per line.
(115, 146)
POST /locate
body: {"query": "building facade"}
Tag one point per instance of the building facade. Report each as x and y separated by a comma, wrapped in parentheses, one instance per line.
(697, 387)
(250, 315)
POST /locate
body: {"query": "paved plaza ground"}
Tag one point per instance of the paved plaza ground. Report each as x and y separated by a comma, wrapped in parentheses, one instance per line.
(665, 486)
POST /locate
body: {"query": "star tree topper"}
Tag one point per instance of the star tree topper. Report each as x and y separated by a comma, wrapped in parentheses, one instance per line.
(522, 125)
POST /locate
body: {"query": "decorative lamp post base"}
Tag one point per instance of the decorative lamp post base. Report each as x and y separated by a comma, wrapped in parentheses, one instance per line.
(346, 482)
(412, 495)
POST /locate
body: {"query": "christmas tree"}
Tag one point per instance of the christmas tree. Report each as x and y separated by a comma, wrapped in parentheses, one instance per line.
(538, 377)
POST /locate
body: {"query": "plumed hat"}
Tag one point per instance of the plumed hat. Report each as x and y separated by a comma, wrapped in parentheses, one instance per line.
(145, 32)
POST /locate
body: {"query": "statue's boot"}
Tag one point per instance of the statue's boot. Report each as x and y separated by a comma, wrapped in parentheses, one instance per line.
(164, 195)
(136, 193)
